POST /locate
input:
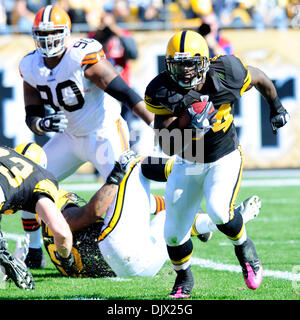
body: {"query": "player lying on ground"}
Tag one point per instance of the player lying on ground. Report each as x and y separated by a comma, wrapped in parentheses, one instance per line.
(25, 184)
(126, 242)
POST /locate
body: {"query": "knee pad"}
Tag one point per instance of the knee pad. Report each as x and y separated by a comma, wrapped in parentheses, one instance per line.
(234, 228)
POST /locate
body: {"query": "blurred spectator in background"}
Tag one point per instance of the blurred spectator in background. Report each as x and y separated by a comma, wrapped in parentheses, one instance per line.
(210, 30)
(119, 8)
(270, 13)
(7, 7)
(118, 44)
(190, 9)
(149, 10)
(83, 11)
(3, 17)
(120, 48)
(293, 12)
(233, 13)
(24, 12)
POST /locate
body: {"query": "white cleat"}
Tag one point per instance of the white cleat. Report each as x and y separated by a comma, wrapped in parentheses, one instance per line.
(250, 208)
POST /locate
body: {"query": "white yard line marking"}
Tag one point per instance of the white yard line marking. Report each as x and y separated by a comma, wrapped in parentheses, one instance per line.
(203, 263)
(13, 236)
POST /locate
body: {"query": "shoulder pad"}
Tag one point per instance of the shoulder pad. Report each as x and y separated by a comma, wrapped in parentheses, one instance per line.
(87, 51)
(47, 187)
(26, 64)
(66, 199)
(230, 70)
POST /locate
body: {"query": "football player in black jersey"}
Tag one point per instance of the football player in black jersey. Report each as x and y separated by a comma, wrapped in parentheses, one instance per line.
(24, 184)
(193, 102)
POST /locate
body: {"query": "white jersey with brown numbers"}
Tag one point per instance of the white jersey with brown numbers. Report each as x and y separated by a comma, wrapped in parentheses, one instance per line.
(65, 87)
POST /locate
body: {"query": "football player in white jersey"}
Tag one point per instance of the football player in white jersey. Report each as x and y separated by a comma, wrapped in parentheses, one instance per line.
(74, 78)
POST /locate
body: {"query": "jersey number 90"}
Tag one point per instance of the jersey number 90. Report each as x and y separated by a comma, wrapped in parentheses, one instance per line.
(60, 88)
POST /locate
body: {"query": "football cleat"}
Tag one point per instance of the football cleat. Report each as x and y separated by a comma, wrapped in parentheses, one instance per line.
(183, 284)
(250, 208)
(251, 266)
(16, 271)
(35, 259)
(204, 237)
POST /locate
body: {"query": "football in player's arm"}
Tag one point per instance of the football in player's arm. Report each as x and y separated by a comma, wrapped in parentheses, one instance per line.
(193, 102)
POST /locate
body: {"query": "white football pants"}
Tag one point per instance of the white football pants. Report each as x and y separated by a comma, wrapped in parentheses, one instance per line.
(66, 153)
(218, 182)
(130, 242)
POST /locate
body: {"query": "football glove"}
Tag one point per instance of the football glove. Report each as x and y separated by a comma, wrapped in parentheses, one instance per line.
(16, 270)
(121, 167)
(56, 122)
(279, 121)
(202, 115)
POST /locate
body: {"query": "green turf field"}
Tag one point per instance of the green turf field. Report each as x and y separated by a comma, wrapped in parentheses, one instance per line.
(217, 277)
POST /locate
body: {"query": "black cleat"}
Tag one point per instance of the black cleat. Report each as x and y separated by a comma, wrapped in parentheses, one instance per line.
(251, 266)
(16, 271)
(204, 237)
(183, 284)
(35, 259)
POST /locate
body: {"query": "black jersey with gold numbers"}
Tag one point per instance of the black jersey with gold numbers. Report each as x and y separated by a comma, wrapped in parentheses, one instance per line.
(23, 182)
(226, 81)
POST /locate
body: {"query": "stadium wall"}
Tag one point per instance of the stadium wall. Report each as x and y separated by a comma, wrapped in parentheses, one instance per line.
(275, 52)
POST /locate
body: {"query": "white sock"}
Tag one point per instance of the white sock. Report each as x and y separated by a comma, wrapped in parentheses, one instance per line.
(204, 224)
(35, 240)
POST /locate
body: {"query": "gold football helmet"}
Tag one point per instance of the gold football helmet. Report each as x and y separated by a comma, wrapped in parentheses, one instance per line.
(33, 152)
(187, 58)
(50, 29)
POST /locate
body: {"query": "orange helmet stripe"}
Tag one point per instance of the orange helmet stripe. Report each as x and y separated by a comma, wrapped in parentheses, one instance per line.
(54, 14)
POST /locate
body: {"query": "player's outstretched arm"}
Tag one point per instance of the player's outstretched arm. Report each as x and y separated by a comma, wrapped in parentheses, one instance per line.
(54, 220)
(278, 114)
(81, 217)
(106, 78)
